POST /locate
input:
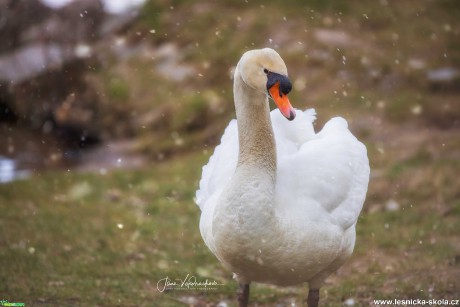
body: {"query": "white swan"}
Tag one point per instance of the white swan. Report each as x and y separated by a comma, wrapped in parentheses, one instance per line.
(280, 214)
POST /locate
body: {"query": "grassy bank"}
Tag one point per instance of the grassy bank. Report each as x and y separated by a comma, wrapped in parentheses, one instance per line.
(72, 239)
(90, 239)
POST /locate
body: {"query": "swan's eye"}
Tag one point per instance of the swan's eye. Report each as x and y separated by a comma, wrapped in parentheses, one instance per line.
(266, 71)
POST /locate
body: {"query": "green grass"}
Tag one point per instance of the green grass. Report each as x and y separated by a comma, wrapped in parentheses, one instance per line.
(73, 239)
(117, 89)
(102, 240)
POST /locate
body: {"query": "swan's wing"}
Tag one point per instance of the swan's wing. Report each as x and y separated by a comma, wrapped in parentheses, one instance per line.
(221, 166)
(320, 176)
(216, 174)
(326, 179)
(290, 135)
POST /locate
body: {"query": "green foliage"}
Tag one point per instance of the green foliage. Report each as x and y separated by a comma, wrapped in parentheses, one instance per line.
(118, 89)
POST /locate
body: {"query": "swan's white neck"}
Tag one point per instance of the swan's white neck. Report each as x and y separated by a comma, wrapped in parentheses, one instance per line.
(245, 211)
(251, 190)
(257, 149)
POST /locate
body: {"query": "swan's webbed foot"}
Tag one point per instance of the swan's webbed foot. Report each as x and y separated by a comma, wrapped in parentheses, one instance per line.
(313, 298)
(243, 295)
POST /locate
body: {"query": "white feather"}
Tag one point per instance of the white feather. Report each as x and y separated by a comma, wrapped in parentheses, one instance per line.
(321, 181)
(287, 223)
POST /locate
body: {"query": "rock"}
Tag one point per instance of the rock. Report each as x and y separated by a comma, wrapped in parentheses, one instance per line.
(416, 64)
(349, 302)
(46, 62)
(17, 18)
(332, 37)
(31, 61)
(59, 95)
(188, 300)
(79, 21)
(447, 78)
(447, 74)
(320, 56)
(392, 205)
(168, 64)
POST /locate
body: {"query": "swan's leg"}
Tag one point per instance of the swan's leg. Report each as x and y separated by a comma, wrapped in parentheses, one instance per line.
(313, 298)
(243, 295)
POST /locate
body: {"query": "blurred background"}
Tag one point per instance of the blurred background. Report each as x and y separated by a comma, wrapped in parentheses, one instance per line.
(109, 109)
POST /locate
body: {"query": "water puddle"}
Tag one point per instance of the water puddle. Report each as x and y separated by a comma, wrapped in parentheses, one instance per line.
(9, 170)
(24, 153)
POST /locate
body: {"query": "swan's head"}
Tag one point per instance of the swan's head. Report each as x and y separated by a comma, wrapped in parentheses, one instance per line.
(264, 70)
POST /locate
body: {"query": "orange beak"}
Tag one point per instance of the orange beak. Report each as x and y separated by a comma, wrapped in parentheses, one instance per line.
(282, 101)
